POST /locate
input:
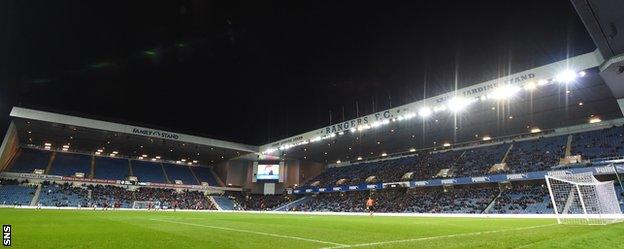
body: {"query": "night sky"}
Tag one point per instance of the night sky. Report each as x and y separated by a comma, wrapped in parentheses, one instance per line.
(258, 71)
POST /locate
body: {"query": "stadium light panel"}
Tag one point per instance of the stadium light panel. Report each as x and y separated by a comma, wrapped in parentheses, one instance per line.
(425, 112)
(338, 161)
(140, 158)
(384, 154)
(530, 86)
(566, 76)
(359, 158)
(47, 144)
(505, 92)
(582, 73)
(412, 150)
(595, 120)
(458, 104)
(98, 153)
(486, 138)
(542, 82)
(65, 149)
(536, 130)
(446, 145)
(144, 155)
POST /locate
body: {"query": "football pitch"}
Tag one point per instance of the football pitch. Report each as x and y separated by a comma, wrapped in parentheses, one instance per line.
(139, 229)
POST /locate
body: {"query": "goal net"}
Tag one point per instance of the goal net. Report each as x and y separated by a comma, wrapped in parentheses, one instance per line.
(146, 205)
(582, 199)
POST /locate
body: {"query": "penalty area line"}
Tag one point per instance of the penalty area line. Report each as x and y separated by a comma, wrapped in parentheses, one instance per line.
(254, 232)
(436, 237)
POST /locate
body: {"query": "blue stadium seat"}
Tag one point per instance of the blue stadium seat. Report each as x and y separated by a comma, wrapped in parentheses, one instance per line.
(111, 168)
(178, 172)
(31, 159)
(16, 194)
(599, 144)
(536, 155)
(206, 175)
(67, 164)
(148, 171)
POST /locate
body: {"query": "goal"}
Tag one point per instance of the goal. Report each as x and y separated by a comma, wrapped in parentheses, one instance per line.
(146, 205)
(582, 199)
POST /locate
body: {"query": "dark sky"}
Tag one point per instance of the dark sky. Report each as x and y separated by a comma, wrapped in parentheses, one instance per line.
(258, 71)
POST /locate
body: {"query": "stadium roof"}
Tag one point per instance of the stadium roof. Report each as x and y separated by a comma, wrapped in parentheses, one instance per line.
(559, 94)
(40, 128)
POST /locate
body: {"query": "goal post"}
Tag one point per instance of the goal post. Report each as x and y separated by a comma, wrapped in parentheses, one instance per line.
(146, 205)
(582, 199)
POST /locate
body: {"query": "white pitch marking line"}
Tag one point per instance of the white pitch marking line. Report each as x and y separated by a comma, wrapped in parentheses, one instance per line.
(254, 232)
(436, 237)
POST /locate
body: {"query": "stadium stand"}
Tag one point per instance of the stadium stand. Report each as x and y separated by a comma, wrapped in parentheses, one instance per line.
(467, 200)
(148, 171)
(182, 173)
(30, 159)
(205, 175)
(599, 143)
(111, 168)
(15, 193)
(537, 154)
(523, 199)
(225, 202)
(62, 195)
(67, 164)
(249, 201)
(478, 161)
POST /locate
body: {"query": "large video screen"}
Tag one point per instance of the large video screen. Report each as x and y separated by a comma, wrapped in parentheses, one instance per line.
(268, 172)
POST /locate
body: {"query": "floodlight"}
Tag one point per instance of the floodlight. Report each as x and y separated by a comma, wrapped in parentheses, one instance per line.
(505, 92)
(530, 86)
(566, 76)
(424, 112)
(458, 104)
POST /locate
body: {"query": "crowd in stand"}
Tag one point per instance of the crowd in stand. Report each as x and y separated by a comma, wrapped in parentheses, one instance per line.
(599, 144)
(401, 200)
(524, 156)
(260, 202)
(519, 198)
(107, 196)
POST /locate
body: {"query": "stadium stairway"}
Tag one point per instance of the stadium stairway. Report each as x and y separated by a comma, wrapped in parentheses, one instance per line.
(50, 163)
(507, 153)
(487, 209)
(294, 203)
(35, 198)
(224, 203)
(216, 177)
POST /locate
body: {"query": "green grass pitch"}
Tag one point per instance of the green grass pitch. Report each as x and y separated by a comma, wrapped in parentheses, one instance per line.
(135, 229)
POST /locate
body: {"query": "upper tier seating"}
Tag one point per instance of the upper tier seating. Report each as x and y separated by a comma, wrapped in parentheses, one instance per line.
(177, 172)
(111, 168)
(206, 175)
(148, 171)
(600, 143)
(67, 164)
(536, 155)
(478, 161)
(31, 159)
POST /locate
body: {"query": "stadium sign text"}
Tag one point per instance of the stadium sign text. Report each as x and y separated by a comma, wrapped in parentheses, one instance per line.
(155, 133)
